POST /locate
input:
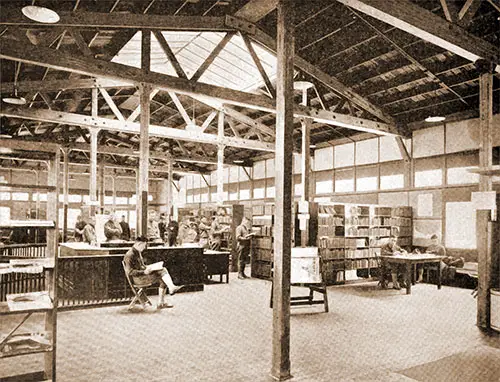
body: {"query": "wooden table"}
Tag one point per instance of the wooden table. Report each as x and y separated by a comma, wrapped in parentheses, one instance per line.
(409, 261)
(216, 263)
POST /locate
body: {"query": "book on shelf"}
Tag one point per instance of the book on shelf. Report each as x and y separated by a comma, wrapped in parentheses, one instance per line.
(27, 301)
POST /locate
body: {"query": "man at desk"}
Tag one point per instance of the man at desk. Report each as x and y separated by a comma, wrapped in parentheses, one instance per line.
(391, 248)
(112, 229)
(243, 237)
(140, 274)
(446, 264)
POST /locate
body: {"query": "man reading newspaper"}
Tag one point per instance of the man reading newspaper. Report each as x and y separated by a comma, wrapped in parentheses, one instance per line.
(142, 274)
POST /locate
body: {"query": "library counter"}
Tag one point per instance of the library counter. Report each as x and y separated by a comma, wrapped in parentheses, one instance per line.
(91, 275)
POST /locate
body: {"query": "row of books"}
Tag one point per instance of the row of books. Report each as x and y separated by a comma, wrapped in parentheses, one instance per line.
(401, 222)
(401, 231)
(355, 242)
(380, 231)
(330, 230)
(330, 220)
(263, 242)
(356, 220)
(355, 231)
(332, 253)
(265, 230)
(358, 253)
(361, 263)
(331, 242)
(262, 254)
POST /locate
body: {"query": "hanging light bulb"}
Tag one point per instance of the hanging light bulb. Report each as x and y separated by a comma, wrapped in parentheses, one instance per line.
(41, 14)
(14, 99)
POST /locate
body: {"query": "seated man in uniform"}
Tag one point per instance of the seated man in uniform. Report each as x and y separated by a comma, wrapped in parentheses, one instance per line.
(446, 264)
(136, 269)
(392, 249)
(88, 235)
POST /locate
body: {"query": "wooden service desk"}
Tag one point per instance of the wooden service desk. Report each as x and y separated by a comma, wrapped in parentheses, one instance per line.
(216, 263)
(409, 261)
(94, 275)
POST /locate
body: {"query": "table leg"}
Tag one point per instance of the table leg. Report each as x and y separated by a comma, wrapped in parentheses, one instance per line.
(408, 278)
(439, 275)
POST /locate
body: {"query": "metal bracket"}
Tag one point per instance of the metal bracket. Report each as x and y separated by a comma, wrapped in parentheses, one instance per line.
(240, 25)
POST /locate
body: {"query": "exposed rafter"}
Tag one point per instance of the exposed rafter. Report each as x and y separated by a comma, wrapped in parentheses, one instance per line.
(120, 21)
(88, 66)
(131, 127)
(424, 24)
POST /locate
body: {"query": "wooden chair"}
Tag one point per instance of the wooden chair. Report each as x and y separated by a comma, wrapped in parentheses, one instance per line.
(140, 296)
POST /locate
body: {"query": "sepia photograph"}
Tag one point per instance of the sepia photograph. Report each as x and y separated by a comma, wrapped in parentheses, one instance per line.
(250, 190)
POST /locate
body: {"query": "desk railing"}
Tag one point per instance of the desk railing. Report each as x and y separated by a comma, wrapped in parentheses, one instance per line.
(23, 250)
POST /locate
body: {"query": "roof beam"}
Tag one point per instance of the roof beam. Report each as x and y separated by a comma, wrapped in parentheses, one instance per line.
(405, 15)
(55, 85)
(123, 151)
(331, 82)
(131, 127)
(467, 12)
(93, 20)
(93, 67)
(255, 10)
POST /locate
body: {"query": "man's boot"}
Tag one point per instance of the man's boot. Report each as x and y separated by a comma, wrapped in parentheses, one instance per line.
(395, 283)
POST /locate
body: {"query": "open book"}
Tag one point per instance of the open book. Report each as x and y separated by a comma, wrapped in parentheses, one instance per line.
(155, 266)
(249, 235)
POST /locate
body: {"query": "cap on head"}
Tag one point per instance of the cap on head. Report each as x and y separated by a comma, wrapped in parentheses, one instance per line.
(141, 239)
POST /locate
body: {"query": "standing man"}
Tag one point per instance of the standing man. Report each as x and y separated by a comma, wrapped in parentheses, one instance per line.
(172, 231)
(243, 236)
(112, 229)
(125, 229)
(79, 226)
(138, 272)
(162, 225)
(215, 234)
(153, 230)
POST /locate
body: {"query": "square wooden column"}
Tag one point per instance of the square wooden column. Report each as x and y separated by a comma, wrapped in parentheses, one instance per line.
(93, 170)
(484, 226)
(280, 369)
(145, 92)
(65, 152)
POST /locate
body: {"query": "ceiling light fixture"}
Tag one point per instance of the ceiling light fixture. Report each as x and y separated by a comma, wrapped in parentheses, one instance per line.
(41, 14)
(14, 99)
(435, 119)
(303, 86)
(312, 146)
(238, 161)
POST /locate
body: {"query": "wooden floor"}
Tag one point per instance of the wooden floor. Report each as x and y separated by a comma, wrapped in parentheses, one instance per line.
(224, 333)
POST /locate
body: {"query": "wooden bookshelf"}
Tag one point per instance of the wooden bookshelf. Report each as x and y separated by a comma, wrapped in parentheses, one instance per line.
(262, 243)
(14, 343)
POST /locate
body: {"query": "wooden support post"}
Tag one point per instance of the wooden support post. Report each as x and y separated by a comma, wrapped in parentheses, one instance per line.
(93, 170)
(483, 223)
(306, 171)
(280, 369)
(52, 248)
(142, 196)
(102, 188)
(37, 203)
(113, 188)
(145, 102)
(220, 160)
(65, 192)
(169, 190)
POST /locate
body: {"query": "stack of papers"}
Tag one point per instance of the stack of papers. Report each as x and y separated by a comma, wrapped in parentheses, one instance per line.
(155, 266)
(27, 301)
